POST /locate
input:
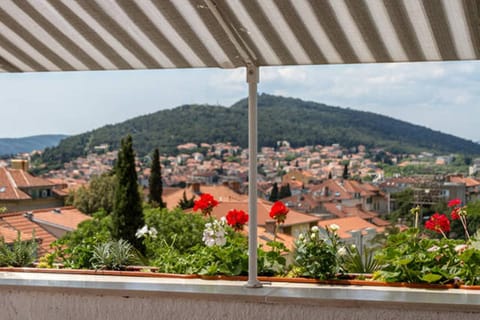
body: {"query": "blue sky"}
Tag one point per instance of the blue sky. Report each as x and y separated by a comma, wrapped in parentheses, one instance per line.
(441, 96)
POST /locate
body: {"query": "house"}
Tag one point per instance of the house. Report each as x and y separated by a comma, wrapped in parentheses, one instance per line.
(353, 230)
(47, 225)
(19, 191)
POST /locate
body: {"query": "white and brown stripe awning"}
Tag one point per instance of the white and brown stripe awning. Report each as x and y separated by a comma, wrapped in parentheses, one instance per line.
(61, 35)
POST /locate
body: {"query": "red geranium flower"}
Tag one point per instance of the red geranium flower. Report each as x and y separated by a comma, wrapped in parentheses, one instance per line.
(237, 219)
(279, 212)
(438, 223)
(454, 203)
(454, 214)
(206, 203)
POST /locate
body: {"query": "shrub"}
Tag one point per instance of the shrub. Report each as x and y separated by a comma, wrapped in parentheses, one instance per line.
(19, 254)
(316, 256)
(113, 255)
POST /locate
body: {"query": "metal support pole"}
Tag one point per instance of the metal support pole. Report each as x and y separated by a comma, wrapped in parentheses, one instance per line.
(252, 80)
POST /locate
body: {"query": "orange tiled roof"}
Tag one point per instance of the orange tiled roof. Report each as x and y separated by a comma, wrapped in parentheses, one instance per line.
(349, 224)
(19, 222)
(9, 234)
(67, 218)
(8, 187)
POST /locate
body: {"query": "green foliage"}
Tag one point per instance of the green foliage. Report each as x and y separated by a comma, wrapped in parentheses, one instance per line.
(99, 195)
(127, 215)
(308, 123)
(186, 203)
(75, 249)
(19, 254)
(408, 257)
(473, 220)
(272, 261)
(113, 255)
(354, 261)
(155, 181)
(403, 202)
(316, 256)
(175, 228)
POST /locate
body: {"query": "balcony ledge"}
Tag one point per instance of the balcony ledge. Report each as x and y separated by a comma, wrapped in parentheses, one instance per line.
(23, 295)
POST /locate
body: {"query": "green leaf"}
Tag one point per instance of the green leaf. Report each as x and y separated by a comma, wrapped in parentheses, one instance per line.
(431, 277)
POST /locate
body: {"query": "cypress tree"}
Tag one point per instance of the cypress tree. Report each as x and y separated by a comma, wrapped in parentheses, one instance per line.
(285, 191)
(155, 181)
(274, 193)
(345, 172)
(127, 215)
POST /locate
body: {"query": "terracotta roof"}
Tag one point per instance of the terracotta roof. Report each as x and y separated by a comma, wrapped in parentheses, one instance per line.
(25, 179)
(67, 218)
(8, 187)
(9, 234)
(334, 208)
(21, 223)
(349, 224)
(469, 182)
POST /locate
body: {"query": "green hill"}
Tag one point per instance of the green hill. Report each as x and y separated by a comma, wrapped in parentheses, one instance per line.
(9, 146)
(299, 122)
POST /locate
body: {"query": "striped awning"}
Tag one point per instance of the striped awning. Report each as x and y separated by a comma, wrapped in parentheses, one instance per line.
(62, 35)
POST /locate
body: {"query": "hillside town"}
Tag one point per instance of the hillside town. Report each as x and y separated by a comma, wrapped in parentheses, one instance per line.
(321, 185)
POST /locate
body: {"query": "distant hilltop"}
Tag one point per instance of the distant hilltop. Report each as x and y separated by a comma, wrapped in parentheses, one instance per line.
(297, 121)
(10, 146)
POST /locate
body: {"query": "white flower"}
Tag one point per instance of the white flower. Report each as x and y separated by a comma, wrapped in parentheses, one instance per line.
(141, 232)
(353, 247)
(153, 232)
(342, 251)
(312, 236)
(334, 227)
(433, 249)
(301, 237)
(314, 229)
(460, 248)
(214, 233)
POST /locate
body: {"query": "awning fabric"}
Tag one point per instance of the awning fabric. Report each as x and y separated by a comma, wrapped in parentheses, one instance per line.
(64, 35)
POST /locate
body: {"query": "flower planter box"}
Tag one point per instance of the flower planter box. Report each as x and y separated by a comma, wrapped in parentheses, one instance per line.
(146, 272)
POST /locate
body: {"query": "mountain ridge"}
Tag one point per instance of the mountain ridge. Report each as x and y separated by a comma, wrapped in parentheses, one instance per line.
(279, 118)
(10, 146)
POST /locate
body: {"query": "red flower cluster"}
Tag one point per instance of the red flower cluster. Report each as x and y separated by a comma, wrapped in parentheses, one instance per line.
(454, 203)
(279, 212)
(237, 219)
(438, 223)
(206, 203)
(455, 214)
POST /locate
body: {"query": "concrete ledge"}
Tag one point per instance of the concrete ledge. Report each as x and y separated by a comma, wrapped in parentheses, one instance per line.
(60, 296)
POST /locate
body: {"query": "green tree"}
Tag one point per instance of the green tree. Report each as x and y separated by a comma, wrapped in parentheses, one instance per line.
(274, 193)
(127, 215)
(98, 195)
(345, 174)
(284, 191)
(186, 203)
(155, 181)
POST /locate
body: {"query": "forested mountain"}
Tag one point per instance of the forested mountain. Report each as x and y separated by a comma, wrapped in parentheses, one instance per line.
(9, 146)
(299, 122)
